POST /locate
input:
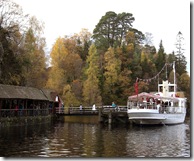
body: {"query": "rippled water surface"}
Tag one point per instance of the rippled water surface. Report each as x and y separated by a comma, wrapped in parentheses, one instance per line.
(84, 137)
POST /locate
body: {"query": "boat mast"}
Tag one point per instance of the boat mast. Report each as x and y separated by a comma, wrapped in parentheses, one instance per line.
(174, 79)
(166, 72)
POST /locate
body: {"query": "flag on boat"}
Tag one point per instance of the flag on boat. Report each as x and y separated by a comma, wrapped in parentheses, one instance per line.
(136, 87)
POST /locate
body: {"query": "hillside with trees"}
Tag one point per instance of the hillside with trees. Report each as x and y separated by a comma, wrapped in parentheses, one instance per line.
(87, 68)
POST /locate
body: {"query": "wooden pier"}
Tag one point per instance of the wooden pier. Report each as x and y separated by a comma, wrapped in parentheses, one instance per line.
(106, 114)
(113, 115)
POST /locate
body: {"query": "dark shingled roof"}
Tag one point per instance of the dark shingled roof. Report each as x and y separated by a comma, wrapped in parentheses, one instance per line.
(21, 92)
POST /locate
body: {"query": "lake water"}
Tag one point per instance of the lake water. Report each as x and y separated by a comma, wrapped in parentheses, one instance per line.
(83, 136)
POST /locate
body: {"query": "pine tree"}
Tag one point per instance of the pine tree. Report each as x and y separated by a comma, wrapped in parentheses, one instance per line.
(181, 59)
(161, 60)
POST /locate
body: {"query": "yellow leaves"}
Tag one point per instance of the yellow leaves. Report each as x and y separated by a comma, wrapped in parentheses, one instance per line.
(93, 62)
(69, 97)
(130, 37)
(130, 48)
(185, 80)
(73, 66)
(112, 67)
(66, 67)
(58, 53)
(92, 57)
(143, 56)
(34, 58)
(91, 91)
(56, 79)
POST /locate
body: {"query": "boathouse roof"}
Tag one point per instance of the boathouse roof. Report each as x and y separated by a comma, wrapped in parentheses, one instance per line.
(21, 92)
(50, 94)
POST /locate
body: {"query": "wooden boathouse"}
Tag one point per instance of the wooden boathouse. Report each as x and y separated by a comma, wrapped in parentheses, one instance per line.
(20, 101)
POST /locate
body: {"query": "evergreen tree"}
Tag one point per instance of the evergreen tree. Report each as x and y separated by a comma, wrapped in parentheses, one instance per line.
(161, 60)
(181, 59)
(112, 29)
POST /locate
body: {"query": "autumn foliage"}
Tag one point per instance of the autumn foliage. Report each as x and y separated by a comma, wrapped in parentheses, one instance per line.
(87, 68)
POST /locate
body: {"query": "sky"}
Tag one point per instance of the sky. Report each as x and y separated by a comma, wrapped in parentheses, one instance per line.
(162, 18)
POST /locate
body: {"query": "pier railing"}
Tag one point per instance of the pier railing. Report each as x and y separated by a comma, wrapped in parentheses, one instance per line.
(116, 109)
(77, 110)
(61, 111)
(89, 110)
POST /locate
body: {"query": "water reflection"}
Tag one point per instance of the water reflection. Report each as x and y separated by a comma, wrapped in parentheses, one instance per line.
(77, 137)
(164, 141)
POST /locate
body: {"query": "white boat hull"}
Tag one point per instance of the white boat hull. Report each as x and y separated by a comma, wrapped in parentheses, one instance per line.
(154, 118)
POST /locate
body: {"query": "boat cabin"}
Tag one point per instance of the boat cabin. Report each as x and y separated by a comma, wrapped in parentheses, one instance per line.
(167, 89)
(154, 101)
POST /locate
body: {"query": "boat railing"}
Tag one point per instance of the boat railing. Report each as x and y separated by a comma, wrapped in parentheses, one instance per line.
(143, 105)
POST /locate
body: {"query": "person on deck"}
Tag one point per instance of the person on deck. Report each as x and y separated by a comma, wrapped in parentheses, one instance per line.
(94, 107)
(158, 106)
(80, 107)
(113, 105)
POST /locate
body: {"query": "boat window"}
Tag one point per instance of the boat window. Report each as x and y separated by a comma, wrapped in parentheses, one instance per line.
(160, 89)
(175, 104)
(171, 88)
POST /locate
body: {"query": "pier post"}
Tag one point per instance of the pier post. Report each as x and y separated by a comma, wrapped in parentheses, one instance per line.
(110, 117)
(100, 119)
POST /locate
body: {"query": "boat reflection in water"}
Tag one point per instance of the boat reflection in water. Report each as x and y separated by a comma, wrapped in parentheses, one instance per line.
(159, 141)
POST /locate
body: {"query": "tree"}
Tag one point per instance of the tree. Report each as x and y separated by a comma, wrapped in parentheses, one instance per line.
(83, 42)
(161, 59)
(184, 85)
(77, 87)
(111, 75)
(181, 59)
(104, 32)
(66, 68)
(91, 91)
(72, 63)
(111, 29)
(33, 57)
(12, 24)
(69, 97)
(125, 55)
(124, 25)
(57, 78)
